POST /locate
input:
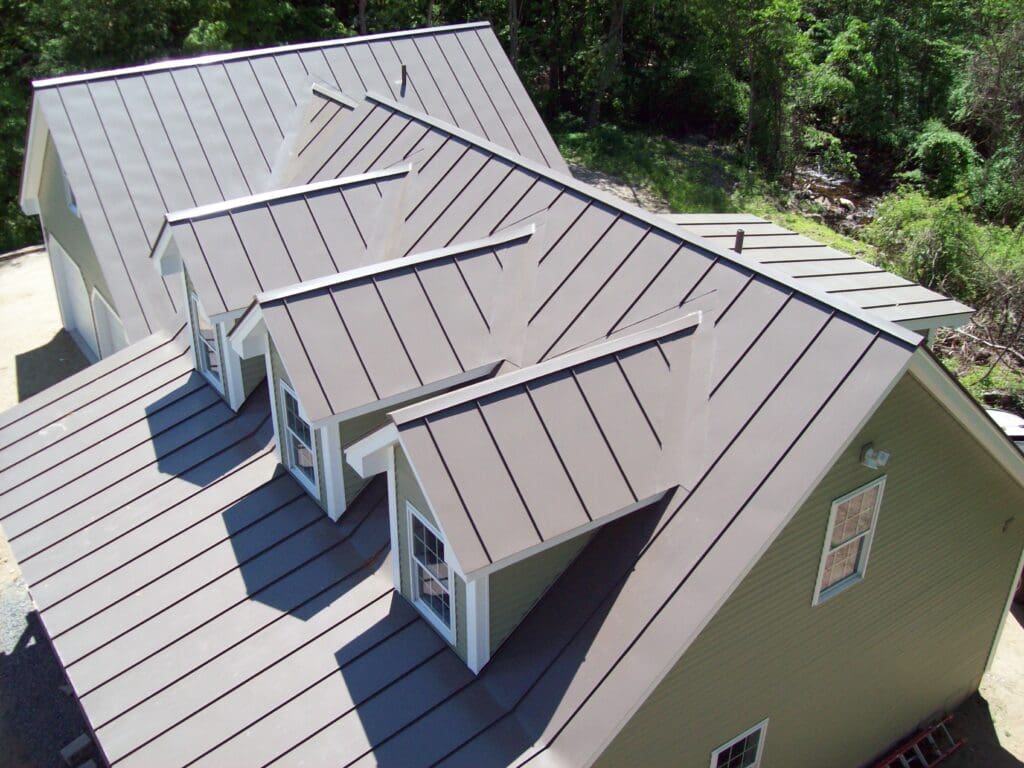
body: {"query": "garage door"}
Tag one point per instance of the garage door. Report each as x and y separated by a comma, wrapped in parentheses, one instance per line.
(74, 300)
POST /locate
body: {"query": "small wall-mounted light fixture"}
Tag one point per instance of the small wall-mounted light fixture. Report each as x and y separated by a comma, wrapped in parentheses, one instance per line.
(872, 458)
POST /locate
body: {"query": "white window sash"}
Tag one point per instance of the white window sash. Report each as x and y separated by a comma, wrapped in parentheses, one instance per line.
(311, 484)
(762, 727)
(447, 631)
(206, 346)
(823, 593)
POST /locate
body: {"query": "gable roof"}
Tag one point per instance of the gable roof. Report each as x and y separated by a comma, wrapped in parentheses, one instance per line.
(371, 336)
(869, 287)
(142, 141)
(236, 249)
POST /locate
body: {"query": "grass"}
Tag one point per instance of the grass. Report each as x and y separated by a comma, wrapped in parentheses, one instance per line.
(693, 178)
(984, 382)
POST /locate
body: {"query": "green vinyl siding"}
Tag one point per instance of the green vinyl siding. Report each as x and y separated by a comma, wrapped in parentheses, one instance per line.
(279, 374)
(66, 227)
(254, 370)
(515, 589)
(407, 491)
(843, 680)
(352, 431)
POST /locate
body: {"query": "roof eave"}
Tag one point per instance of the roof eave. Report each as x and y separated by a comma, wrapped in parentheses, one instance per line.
(35, 151)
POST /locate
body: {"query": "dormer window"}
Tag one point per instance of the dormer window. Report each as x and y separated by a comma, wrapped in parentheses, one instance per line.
(207, 344)
(430, 574)
(298, 451)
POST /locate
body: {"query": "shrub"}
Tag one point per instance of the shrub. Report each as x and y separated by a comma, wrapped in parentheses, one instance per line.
(997, 187)
(944, 157)
(825, 152)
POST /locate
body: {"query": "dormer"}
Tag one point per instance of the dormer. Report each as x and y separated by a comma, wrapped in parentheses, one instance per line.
(227, 252)
(494, 489)
(343, 350)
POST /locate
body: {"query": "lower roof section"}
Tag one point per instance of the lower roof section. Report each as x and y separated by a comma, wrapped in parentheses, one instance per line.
(836, 273)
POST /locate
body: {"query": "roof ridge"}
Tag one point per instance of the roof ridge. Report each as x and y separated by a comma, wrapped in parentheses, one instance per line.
(212, 58)
(190, 214)
(508, 236)
(656, 221)
(593, 351)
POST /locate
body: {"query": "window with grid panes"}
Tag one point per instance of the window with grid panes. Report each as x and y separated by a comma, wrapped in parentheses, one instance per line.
(848, 542)
(207, 346)
(742, 752)
(431, 581)
(298, 440)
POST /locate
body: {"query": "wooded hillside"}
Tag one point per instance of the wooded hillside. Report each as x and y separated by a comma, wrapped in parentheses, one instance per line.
(917, 102)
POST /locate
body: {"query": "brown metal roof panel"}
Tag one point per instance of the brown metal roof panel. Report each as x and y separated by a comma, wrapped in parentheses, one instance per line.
(493, 208)
(924, 311)
(292, 351)
(463, 313)
(43, 520)
(370, 71)
(465, 189)
(158, 611)
(815, 253)
(367, 148)
(422, 81)
(186, 674)
(147, 124)
(111, 574)
(477, 468)
(336, 228)
(911, 293)
(848, 284)
(578, 440)
(414, 314)
(240, 684)
(294, 72)
(203, 629)
(331, 155)
(391, 695)
(767, 243)
(825, 268)
(272, 258)
(272, 84)
(539, 197)
(61, 425)
(388, 365)
(737, 330)
(134, 164)
(343, 70)
(320, 347)
(294, 220)
(99, 439)
(199, 265)
(363, 203)
(539, 469)
(432, 474)
(455, 98)
(234, 269)
(266, 124)
(253, 160)
(729, 230)
(689, 219)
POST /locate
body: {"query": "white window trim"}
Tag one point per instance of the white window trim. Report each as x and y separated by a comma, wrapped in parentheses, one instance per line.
(198, 342)
(313, 486)
(448, 633)
(822, 595)
(762, 726)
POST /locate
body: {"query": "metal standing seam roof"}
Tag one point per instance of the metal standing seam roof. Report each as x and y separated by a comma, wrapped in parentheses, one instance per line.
(139, 142)
(372, 334)
(834, 272)
(236, 249)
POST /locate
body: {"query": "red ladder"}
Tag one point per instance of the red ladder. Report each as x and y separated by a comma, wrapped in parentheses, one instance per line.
(924, 749)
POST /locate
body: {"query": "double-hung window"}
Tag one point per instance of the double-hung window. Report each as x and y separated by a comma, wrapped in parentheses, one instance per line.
(851, 525)
(207, 344)
(297, 441)
(431, 579)
(742, 752)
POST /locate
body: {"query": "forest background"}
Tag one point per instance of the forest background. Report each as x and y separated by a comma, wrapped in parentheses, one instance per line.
(890, 128)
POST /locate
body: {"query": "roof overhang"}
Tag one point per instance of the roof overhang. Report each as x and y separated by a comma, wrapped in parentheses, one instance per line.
(368, 456)
(35, 151)
(951, 395)
(924, 324)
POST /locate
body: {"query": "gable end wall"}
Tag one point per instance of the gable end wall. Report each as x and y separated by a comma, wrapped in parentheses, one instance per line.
(843, 680)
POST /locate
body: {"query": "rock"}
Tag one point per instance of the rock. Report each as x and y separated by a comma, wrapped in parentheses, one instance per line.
(847, 203)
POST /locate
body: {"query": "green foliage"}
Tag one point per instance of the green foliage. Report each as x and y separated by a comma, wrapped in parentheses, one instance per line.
(987, 383)
(932, 242)
(943, 157)
(825, 152)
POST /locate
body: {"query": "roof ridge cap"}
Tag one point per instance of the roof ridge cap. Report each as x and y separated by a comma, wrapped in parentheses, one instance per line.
(252, 53)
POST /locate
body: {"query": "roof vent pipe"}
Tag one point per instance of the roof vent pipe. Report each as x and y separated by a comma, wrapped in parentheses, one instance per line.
(405, 78)
(738, 245)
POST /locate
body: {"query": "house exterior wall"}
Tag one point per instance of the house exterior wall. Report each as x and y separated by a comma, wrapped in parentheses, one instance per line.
(254, 370)
(279, 374)
(515, 589)
(351, 431)
(407, 490)
(843, 680)
(68, 229)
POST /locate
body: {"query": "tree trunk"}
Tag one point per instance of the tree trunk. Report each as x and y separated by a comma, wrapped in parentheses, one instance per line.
(430, 13)
(513, 32)
(362, 17)
(610, 53)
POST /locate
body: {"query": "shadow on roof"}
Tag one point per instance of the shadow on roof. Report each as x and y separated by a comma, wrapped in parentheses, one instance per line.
(418, 703)
(290, 555)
